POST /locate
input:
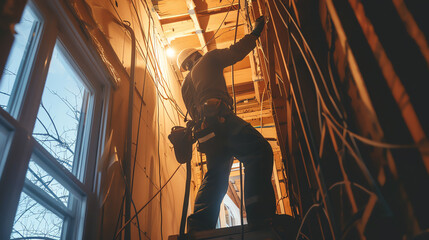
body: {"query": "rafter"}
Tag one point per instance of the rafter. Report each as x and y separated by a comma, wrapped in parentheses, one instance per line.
(198, 30)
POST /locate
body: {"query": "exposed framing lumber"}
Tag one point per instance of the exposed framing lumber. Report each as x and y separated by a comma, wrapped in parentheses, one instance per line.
(207, 22)
(393, 81)
(156, 22)
(198, 30)
(183, 17)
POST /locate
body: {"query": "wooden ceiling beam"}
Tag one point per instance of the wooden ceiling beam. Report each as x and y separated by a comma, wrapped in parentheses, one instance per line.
(207, 23)
(157, 24)
(185, 16)
(224, 37)
(198, 30)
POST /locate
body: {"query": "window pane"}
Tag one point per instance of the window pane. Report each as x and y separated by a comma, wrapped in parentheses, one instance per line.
(4, 139)
(57, 124)
(34, 220)
(24, 32)
(47, 183)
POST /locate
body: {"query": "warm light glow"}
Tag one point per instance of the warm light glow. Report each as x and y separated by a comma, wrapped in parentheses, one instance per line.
(170, 52)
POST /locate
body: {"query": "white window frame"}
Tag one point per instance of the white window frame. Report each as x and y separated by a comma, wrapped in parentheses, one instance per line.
(58, 25)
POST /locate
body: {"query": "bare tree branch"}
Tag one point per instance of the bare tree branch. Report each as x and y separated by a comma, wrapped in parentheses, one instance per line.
(23, 212)
(9, 72)
(44, 184)
(4, 93)
(51, 119)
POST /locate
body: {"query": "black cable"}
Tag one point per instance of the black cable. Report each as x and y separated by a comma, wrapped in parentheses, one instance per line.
(233, 28)
(185, 200)
(147, 203)
(128, 192)
(311, 54)
(123, 198)
(212, 38)
(127, 156)
(235, 112)
(358, 157)
(320, 97)
(159, 168)
(176, 106)
(119, 219)
(140, 114)
(232, 66)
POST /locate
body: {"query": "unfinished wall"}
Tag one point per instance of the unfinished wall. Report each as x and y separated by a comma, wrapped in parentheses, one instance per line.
(157, 106)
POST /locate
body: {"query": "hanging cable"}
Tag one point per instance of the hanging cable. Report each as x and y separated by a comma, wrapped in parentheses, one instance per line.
(235, 112)
(140, 113)
(128, 193)
(159, 158)
(147, 203)
(226, 15)
(155, 63)
(127, 157)
(175, 105)
(309, 141)
(356, 155)
(310, 51)
(146, 57)
(371, 142)
(305, 217)
(159, 169)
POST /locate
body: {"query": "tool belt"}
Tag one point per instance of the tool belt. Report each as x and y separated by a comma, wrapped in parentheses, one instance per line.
(210, 132)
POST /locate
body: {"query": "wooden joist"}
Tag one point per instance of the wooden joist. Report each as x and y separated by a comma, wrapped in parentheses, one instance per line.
(207, 22)
(198, 30)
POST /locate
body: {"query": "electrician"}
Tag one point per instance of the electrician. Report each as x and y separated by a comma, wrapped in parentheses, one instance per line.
(222, 135)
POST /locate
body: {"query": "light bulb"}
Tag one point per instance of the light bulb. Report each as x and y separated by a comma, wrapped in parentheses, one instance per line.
(170, 52)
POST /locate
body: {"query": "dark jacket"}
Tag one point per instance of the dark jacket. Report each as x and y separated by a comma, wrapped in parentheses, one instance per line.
(206, 79)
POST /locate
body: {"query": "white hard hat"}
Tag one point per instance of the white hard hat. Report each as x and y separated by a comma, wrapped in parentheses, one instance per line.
(183, 56)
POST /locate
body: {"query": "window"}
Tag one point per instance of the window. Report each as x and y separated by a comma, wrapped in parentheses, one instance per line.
(48, 205)
(34, 220)
(59, 122)
(60, 103)
(64, 102)
(20, 56)
(5, 135)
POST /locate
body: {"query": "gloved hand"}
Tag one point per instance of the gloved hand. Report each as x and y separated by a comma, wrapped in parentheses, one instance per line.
(259, 25)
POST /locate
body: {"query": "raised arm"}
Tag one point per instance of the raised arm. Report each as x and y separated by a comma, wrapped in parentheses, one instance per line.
(229, 56)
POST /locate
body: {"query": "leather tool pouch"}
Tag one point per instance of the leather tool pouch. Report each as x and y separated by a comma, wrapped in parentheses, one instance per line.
(181, 138)
(211, 134)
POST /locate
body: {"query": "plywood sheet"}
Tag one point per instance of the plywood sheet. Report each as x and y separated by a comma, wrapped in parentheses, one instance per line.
(167, 8)
(203, 5)
(240, 76)
(190, 41)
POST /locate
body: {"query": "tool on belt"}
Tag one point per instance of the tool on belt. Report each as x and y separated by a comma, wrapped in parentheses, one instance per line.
(182, 140)
(209, 131)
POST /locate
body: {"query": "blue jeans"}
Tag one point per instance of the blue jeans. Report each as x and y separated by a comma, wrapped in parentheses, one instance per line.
(246, 144)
